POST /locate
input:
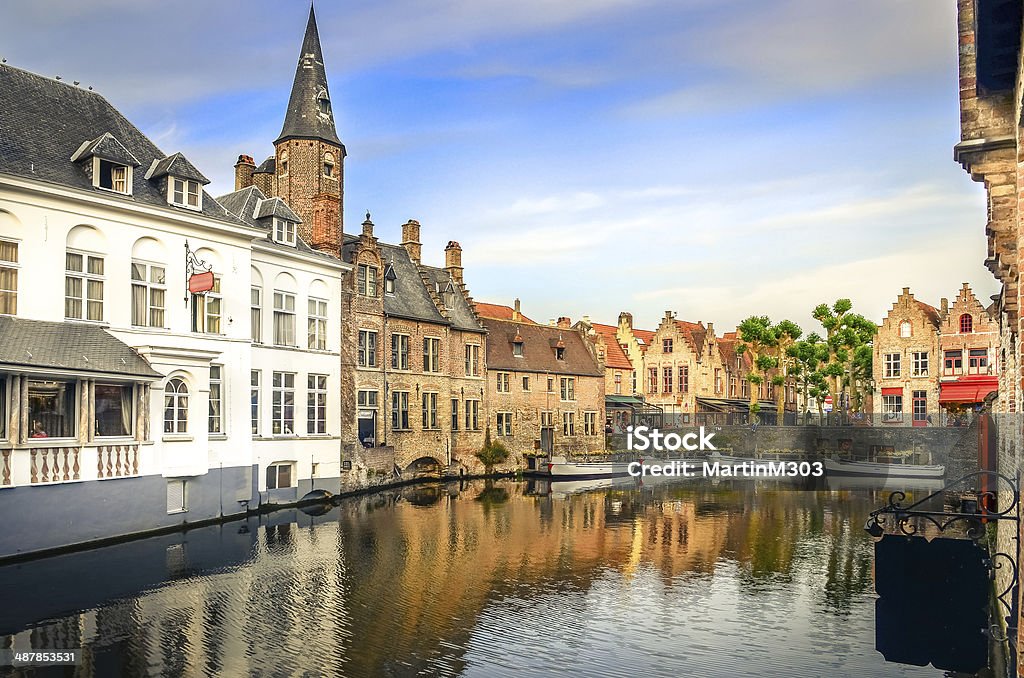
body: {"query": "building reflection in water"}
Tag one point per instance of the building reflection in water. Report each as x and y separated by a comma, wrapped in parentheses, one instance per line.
(482, 578)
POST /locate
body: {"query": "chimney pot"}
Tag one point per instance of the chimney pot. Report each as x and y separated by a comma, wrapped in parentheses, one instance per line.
(411, 240)
(243, 172)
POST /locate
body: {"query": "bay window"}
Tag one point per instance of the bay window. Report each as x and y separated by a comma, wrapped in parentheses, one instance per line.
(52, 409)
(113, 410)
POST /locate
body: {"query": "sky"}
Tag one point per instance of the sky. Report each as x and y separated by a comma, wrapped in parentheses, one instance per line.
(715, 158)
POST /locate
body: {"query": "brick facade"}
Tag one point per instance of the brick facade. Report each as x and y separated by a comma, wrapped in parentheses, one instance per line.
(911, 328)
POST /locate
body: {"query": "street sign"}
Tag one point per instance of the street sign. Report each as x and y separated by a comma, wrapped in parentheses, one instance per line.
(828, 403)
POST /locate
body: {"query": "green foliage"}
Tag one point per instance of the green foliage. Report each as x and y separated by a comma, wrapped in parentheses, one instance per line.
(848, 341)
(492, 453)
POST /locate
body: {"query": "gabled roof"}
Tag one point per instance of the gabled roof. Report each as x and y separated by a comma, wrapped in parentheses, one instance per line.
(694, 333)
(243, 204)
(498, 312)
(69, 346)
(304, 119)
(268, 166)
(645, 337)
(614, 356)
(275, 207)
(105, 146)
(538, 349)
(43, 122)
(930, 312)
(459, 313)
(176, 165)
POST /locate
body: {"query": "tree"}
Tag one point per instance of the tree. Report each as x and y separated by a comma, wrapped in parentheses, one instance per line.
(786, 333)
(846, 334)
(492, 453)
(808, 356)
(757, 336)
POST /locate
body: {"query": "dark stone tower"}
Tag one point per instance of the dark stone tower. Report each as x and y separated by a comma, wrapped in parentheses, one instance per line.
(310, 158)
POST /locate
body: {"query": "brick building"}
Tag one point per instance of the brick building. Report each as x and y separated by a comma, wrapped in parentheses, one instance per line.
(412, 348)
(545, 386)
(969, 341)
(906, 363)
(932, 365)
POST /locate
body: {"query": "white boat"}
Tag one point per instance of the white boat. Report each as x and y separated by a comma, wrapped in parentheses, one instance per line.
(563, 488)
(875, 469)
(562, 467)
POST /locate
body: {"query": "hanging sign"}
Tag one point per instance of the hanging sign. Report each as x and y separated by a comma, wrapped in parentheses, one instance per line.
(200, 283)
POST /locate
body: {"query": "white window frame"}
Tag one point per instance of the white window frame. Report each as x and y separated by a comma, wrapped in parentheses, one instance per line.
(919, 365)
(367, 278)
(284, 231)
(286, 311)
(472, 360)
(215, 420)
(276, 468)
(316, 324)
(567, 389)
(126, 177)
(85, 280)
(568, 423)
(316, 404)
(256, 314)
(431, 422)
(892, 365)
(150, 287)
(14, 266)
(892, 408)
(590, 423)
(283, 390)
(177, 495)
(503, 382)
(178, 407)
(472, 414)
(185, 193)
(400, 411)
(208, 310)
(255, 382)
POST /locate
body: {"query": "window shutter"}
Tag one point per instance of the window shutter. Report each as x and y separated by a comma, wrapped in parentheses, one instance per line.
(175, 496)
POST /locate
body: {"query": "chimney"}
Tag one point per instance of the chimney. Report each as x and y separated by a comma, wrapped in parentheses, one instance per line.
(668, 315)
(453, 260)
(626, 319)
(368, 226)
(564, 323)
(411, 239)
(243, 172)
(517, 314)
(906, 290)
(944, 305)
(711, 329)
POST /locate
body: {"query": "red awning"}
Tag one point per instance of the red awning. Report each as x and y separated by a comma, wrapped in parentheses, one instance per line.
(968, 389)
(892, 391)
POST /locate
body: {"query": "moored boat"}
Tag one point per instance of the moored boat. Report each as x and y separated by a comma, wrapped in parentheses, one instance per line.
(875, 469)
(562, 467)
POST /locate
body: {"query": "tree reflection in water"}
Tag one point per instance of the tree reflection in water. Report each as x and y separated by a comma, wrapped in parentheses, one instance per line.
(485, 578)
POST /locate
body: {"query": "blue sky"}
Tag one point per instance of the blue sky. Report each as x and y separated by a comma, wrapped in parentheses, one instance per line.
(718, 158)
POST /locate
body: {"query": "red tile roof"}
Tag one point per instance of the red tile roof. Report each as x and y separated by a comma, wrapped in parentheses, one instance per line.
(498, 312)
(647, 336)
(614, 357)
(930, 311)
(539, 342)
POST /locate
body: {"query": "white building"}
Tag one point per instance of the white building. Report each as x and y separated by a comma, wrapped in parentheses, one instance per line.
(136, 404)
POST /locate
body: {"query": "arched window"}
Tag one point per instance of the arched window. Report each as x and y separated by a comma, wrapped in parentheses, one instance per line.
(175, 407)
(966, 323)
(282, 163)
(329, 164)
(905, 329)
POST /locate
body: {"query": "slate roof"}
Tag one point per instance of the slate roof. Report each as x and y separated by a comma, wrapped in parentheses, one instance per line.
(275, 207)
(176, 165)
(245, 203)
(460, 314)
(107, 147)
(68, 346)
(497, 311)
(614, 356)
(411, 299)
(268, 166)
(43, 122)
(303, 120)
(538, 351)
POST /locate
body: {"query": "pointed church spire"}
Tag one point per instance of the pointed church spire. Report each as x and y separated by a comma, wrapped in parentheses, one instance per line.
(309, 113)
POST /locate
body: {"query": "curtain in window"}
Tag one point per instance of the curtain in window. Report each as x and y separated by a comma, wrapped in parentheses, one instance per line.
(126, 409)
(8, 287)
(139, 309)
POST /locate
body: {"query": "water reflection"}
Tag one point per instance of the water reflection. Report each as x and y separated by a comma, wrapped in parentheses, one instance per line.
(482, 578)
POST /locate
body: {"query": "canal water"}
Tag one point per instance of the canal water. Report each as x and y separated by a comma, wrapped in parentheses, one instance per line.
(480, 578)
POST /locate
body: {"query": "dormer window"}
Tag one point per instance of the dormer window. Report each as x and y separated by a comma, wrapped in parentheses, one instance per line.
(389, 286)
(112, 176)
(559, 353)
(517, 349)
(329, 165)
(284, 231)
(323, 103)
(184, 193)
